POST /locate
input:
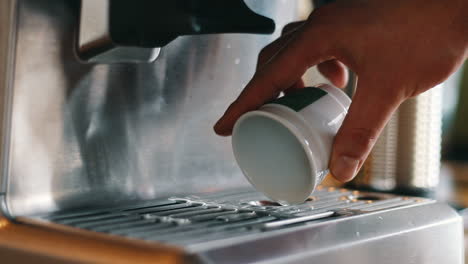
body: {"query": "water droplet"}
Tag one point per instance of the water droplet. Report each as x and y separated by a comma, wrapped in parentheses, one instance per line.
(237, 61)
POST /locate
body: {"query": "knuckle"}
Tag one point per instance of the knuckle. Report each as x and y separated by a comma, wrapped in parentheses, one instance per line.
(291, 27)
(276, 86)
(265, 53)
(271, 84)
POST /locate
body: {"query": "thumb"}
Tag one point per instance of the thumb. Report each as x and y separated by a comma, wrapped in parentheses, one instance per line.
(370, 110)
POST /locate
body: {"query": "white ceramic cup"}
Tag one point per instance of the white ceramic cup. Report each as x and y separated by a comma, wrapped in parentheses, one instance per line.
(284, 147)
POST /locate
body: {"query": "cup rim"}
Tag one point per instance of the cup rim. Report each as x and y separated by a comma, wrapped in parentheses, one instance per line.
(338, 94)
(293, 130)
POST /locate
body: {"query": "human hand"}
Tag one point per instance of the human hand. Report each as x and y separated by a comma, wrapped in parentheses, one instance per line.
(333, 70)
(398, 49)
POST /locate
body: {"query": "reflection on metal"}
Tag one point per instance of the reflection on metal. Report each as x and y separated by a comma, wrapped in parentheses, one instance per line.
(85, 134)
(195, 219)
(226, 227)
(102, 147)
(7, 49)
(114, 31)
(94, 38)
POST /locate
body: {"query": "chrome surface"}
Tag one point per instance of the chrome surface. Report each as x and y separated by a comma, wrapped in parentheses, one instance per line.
(85, 134)
(406, 157)
(194, 219)
(95, 41)
(413, 234)
(102, 147)
(7, 49)
(334, 226)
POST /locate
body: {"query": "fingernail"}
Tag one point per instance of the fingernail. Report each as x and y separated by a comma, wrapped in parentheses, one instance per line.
(345, 168)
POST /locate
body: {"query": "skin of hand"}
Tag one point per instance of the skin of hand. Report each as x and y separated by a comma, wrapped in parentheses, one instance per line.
(398, 49)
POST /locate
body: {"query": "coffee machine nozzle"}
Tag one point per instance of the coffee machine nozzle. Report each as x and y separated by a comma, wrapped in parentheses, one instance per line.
(118, 31)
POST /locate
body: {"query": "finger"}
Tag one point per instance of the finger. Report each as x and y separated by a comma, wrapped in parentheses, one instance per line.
(370, 110)
(334, 71)
(292, 27)
(280, 73)
(296, 86)
(271, 49)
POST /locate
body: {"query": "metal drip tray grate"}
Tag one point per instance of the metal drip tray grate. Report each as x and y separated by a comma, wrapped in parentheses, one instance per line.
(194, 219)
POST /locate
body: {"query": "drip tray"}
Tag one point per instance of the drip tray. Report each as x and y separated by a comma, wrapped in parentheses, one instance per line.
(190, 221)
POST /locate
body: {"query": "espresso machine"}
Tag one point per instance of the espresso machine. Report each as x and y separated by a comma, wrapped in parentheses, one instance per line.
(108, 156)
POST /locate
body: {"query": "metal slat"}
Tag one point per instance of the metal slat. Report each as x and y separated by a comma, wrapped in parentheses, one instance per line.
(132, 231)
(173, 229)
(383, 202)
(198, 212)
(205, 217)
(143, 229)
(231, 195)
(163, 208)
(215, 236)
(125, 225)
(197, 219)
(148, 205)
(97, 223)
(202, 227)
(84, 213)
(388, 205)
(75, 221)
(175, 213)
(282, 223)
(201, 232)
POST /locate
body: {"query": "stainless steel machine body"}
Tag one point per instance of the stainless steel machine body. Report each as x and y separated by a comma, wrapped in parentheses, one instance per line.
(238, 226)
(106, 133)
(82, 137)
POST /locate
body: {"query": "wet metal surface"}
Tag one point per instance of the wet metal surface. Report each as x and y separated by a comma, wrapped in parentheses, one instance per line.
(188, 220)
